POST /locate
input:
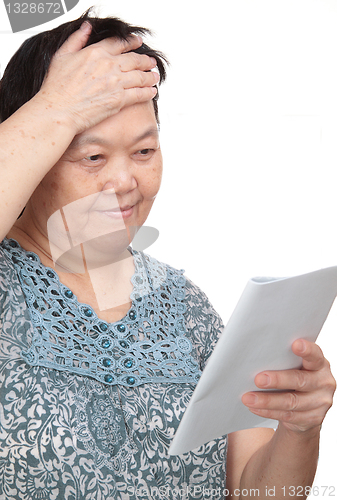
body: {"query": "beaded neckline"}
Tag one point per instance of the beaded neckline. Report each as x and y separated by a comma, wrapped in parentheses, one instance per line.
(13, 246)
(148, 345)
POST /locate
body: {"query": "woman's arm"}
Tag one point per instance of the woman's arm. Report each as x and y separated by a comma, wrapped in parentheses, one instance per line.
(31, 142)
(278, 466)
(82, 88)
(282, 464)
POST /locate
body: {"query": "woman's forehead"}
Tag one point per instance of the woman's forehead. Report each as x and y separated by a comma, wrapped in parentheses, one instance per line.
(131, 124)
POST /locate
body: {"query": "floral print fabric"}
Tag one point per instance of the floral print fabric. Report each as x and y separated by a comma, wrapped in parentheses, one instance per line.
(69, 436)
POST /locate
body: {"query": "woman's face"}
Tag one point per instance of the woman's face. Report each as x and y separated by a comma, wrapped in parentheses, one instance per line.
(105, 183)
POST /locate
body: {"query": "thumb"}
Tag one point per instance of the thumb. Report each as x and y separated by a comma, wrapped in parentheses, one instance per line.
(77, 40)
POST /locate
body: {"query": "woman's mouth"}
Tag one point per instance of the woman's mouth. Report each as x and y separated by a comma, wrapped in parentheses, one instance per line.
(119, 212)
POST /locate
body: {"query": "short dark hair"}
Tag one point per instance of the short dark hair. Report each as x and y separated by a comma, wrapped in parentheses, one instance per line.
(28, 67)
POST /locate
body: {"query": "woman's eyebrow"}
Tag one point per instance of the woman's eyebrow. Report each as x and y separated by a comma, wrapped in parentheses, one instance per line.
(153, 131)
(88, 139)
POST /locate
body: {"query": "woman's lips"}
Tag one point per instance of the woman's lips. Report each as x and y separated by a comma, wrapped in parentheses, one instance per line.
(118, 213)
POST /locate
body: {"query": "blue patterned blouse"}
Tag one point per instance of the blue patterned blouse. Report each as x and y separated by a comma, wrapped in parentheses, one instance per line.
(87, 408)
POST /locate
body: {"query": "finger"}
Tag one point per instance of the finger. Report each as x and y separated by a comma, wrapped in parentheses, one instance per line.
(76, 41)
(133, 61)
(311, 354)
(137, 78)
(135, 95)
(285, 401)
(302, 419)
(290, 380)
(116, 46)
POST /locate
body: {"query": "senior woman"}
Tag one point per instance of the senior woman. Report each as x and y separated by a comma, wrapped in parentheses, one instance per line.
(101, 346)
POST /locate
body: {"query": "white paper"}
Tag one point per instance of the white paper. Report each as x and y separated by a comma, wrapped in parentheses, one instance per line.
(270, 315)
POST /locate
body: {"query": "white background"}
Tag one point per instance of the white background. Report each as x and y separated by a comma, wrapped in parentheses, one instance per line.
(248, 132)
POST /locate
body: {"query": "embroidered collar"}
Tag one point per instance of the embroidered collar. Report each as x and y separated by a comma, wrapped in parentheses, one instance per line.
(148, 345)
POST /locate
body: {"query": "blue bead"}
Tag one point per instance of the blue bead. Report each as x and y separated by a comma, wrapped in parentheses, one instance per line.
(108, 379)
(132, 315)
(103, 327)
(88, 312)
(107, 362)
(13, 243)
(131, 380)
(128, 363)
(106, 343)
(121, 328)
(50, 274)
(68, 294)
(139, 279)
(123, 343)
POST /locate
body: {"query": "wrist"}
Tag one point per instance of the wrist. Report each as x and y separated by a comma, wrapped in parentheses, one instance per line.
(297, 433)
(42, 106)
(36, 134)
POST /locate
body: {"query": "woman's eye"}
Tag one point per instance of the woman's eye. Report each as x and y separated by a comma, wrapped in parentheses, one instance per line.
(145, 152)
(93, 158)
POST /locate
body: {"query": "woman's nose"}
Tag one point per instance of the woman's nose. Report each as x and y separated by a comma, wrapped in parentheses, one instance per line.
(120, 178)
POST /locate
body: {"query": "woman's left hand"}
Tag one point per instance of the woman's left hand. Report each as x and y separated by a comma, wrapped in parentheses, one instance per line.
(307, 393)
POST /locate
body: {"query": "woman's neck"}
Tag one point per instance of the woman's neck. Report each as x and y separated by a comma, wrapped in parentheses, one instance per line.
(106, 288)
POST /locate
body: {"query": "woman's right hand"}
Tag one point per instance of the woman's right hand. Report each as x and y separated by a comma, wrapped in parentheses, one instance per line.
(87, 85)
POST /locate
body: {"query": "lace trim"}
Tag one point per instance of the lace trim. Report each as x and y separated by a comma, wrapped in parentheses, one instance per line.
(148, 345)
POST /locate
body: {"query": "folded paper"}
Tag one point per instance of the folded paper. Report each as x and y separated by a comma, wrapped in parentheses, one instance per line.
(270, 315)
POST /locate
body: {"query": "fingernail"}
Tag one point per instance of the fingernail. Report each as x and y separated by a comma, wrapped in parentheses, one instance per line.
(140, 40)
(264, 380)
(153, 61)
(250, 399)
(301, 346)
(86, 27)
